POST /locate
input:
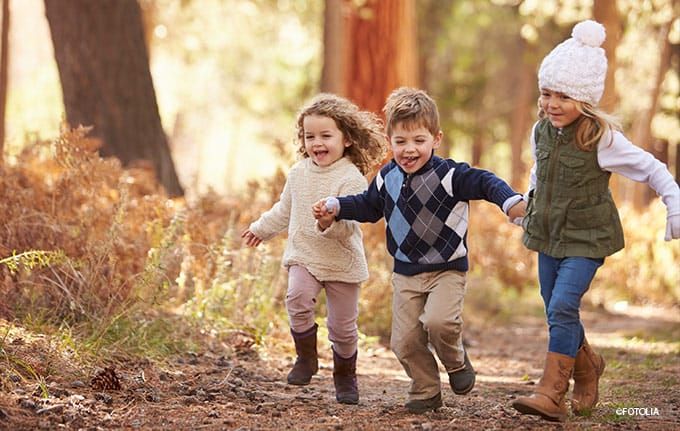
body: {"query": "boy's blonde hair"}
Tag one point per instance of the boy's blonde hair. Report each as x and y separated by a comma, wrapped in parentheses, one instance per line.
(413, 108)
(590, 126)
(364, 130)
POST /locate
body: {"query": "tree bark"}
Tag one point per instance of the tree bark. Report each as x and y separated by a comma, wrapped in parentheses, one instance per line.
(332, 73)
(370, 49)
(522, 114)
(4, 67)
(381, 51)
(106, 81)
(606, 13)
(642, 128)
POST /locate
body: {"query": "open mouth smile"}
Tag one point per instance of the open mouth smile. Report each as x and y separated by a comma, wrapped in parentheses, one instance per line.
(408, 162)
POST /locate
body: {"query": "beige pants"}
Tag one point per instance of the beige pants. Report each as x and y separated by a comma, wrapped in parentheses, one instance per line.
(426, 308)
(342, 303)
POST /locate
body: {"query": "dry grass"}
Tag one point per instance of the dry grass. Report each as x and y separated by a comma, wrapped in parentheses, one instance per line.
(124, 255)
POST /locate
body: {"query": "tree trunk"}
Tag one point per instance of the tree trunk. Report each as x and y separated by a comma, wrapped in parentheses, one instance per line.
(380, 51)
(522, 114)
(369, 50)
(4, 67)
(432, 17)
(606, 13)
(106, 82)
(332, 73)
(642, 128)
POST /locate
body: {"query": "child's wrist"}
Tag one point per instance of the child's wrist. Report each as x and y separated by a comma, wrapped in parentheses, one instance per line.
(333, 204)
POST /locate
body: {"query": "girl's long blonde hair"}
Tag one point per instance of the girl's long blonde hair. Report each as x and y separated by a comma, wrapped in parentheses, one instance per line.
(590, 126)
(364, 130)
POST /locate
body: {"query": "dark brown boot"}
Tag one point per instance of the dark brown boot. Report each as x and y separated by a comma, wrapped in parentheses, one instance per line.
(345, 379)
(547, 400)
(588, 368)
(306, 364)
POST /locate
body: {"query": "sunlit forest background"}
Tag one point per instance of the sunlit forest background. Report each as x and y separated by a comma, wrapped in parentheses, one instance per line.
(111, 251)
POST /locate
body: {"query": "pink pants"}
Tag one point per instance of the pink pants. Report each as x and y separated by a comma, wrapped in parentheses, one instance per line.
(342, 302)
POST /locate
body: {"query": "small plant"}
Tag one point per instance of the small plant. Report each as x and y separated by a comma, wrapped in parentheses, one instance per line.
(31, 259)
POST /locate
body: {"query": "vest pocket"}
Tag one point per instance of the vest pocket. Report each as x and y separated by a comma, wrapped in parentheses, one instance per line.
(542, 164)
(587, 224)
(586, 218)
(571, 169)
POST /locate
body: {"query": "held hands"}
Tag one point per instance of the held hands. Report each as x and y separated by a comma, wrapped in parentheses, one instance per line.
(516, 212)
(672, 227)
(251, 239)
(324, 212)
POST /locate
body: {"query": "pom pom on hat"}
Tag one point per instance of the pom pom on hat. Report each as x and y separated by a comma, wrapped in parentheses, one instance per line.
(589, 33)
(577, 67)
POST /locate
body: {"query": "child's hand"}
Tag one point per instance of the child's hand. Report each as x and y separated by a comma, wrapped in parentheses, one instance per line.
(517, 212)
(324, 212)
(319, 209)
(672, 227)
(324, 207)
(251, 239)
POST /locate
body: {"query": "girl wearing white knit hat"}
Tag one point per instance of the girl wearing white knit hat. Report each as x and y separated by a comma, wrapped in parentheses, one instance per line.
(571, 218)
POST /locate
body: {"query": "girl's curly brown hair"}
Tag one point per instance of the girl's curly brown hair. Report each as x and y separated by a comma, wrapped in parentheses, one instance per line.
(364, 130)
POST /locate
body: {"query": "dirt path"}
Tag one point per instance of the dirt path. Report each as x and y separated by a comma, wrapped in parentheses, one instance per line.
(208, 391)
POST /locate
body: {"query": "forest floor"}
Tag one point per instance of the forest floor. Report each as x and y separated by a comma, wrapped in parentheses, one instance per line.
(247, 391)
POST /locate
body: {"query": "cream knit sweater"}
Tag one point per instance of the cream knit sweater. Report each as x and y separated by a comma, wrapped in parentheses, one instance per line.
(336, 254)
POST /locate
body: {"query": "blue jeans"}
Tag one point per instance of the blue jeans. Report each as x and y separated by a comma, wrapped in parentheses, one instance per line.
(563, 283)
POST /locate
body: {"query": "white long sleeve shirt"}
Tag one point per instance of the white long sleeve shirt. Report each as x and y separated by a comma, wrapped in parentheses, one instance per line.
(615, 153)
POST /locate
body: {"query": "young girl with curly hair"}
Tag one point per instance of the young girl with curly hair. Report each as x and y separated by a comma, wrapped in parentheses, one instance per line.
(339, 144)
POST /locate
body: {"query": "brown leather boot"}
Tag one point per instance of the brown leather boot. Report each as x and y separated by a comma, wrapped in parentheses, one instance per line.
(547, 400)
(306, 364)
(345, 378)
(588, 368)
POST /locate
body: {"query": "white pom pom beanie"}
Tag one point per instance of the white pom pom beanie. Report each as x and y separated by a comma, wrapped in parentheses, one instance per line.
(577, 67)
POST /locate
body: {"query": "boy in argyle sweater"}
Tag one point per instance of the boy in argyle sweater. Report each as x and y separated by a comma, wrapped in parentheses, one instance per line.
(424, 200)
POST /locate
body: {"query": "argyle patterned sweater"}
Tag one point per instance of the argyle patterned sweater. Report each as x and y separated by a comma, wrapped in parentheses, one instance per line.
(426, 212)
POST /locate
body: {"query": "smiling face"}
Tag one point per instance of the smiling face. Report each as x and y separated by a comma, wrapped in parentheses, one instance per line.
(324, 142)
(560, 109)
(412, 145)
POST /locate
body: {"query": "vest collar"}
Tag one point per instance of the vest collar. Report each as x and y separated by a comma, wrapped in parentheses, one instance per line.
(566, 132)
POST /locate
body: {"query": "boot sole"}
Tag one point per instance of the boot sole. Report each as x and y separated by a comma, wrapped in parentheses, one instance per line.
(299, 382)
(528, 410)
(423, 409)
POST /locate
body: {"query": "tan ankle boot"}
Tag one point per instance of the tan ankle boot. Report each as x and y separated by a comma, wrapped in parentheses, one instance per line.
(588, 368)
(547, 400)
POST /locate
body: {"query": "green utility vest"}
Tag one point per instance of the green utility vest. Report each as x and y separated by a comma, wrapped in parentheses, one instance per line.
(571, 211)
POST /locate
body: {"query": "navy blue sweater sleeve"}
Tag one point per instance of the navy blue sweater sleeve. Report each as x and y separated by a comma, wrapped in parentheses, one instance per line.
(473, 184)
(364, 207)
